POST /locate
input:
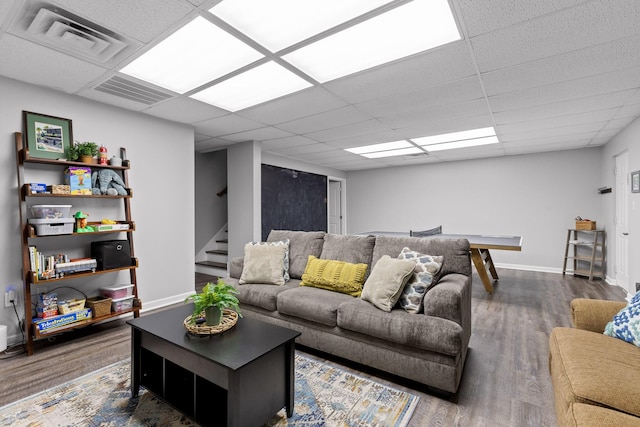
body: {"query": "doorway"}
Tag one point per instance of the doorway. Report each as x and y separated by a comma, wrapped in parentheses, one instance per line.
(335, 207)
(622, 220)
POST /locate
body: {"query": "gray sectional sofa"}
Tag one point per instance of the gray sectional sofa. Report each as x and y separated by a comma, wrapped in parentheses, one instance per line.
(429, 347)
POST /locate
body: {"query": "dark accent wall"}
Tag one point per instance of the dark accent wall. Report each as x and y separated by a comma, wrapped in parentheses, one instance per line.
(293, 200)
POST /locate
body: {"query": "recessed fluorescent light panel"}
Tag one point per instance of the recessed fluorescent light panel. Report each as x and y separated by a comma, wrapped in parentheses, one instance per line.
(277, 24)
(196, 54)
(406, 30)
(391, 153)
(257, 85)
(387, 149)
(449, 141)
(379, 147)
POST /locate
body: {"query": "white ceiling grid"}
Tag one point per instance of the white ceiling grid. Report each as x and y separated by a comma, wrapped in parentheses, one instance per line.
(547, 74)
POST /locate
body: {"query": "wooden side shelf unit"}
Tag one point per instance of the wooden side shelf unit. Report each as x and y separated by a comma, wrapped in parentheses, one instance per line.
(32, 285)
(586, 250)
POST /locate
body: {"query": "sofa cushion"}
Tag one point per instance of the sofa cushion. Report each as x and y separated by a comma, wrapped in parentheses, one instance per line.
(455, 251)
(592, 368)
(263, 264)
(386, 282)
(626, 324)
(332, 275)
(260, 295)
(425, 275)
(348, 248)
(596, 416)
(301, 245)
(312, 304)
(398, 326)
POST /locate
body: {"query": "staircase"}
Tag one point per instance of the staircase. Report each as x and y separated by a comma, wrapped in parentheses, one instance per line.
(217, 257)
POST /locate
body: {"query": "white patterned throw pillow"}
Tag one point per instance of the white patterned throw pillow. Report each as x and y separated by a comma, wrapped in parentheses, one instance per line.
(423, 278)
(626, 324)
(285, 261)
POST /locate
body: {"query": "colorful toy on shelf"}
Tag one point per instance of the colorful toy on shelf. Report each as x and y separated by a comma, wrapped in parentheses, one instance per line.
(81, 222)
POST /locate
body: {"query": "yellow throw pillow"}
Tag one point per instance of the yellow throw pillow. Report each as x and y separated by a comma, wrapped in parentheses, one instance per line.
(338, 276)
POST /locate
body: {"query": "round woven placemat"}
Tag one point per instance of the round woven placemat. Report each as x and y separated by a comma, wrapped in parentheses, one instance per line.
(228, 321)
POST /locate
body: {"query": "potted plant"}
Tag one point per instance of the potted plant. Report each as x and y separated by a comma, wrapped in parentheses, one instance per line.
(213, 299)
(83, 151)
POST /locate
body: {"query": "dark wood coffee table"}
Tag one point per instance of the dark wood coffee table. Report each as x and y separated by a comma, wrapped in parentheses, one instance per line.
(241, 377)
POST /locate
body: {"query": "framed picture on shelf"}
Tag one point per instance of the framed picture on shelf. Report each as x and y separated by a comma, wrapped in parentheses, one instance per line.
(635, 182)
(48, 137)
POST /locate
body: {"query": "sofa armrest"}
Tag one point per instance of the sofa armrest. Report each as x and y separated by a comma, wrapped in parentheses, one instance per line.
(235, 267)
(451, 299)
(593, 314)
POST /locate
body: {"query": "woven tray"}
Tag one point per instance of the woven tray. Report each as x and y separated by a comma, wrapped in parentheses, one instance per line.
(229, 319)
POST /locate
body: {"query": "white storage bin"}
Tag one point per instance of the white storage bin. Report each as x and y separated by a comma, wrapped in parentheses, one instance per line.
(51, 227)
(116, 291)
(122, 304)
(50, 211)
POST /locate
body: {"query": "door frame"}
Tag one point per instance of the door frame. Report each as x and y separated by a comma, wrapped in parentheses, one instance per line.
(343, 202)
(622, 199)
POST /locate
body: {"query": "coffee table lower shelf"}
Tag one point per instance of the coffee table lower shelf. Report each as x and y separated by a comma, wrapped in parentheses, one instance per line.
(239, 378)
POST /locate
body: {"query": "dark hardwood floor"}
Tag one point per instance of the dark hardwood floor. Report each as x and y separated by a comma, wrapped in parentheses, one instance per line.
(505, 383)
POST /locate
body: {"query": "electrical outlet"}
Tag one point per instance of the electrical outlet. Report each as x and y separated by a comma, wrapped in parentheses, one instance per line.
(9, 295)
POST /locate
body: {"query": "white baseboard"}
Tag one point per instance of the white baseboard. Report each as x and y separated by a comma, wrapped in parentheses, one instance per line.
(529, 268)
(153, 305)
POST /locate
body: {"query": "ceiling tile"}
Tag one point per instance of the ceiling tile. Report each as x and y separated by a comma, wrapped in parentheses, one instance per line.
(444, 64)
(422, 127)
(64, 73)
(512, 142)
(185, 110)
(260, 134)
(472, 108)
(143, 20)
(302, 149)
(579, 27)
(385, 135)
(295, 106)
(591, 61)
(564, 108)
(485, 16)
(351, 130)
(559, 121)
(526, 149)
(599, 84)
(420, 98)
(226, 125)
(519, 134)
(290, 141)
(326, 120)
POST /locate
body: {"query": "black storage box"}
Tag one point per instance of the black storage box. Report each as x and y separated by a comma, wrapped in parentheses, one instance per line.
(111, 254)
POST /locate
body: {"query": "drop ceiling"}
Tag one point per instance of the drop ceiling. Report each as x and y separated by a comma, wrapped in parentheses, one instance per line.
(547, 75)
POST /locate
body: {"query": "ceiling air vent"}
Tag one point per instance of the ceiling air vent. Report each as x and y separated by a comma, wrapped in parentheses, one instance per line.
(71, 34)
(132, 91)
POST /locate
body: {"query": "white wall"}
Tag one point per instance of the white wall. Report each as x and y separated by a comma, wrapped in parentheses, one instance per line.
(536, 196)
(210, 210)
(244, 195)
(161, 176)
(625, 141)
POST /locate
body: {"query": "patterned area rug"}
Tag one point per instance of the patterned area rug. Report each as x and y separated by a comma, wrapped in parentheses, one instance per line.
(325, 396)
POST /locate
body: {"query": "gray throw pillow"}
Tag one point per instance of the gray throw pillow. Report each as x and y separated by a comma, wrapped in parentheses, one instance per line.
(386, 282)
(263, 264)
(424, 277)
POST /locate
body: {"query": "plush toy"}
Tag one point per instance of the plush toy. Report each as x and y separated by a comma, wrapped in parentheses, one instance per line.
(106, 181)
